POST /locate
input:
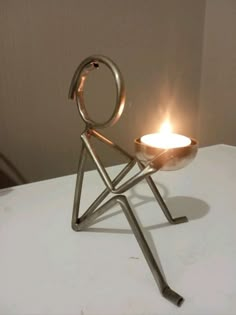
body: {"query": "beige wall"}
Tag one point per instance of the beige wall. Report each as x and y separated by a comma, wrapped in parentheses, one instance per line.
(217, 111)
(156, 43)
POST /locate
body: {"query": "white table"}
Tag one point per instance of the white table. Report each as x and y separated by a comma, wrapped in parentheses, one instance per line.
(47, 268)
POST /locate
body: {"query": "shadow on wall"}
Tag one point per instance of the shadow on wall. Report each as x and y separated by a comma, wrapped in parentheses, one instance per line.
(9, 174)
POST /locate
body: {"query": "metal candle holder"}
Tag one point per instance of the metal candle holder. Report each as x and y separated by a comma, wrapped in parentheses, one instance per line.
(149, 160)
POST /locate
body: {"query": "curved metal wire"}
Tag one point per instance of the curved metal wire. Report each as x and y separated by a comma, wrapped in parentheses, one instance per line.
(77, 89)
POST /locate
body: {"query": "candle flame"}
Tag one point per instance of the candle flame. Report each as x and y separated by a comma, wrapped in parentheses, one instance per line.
(165, 139)
(166, 128)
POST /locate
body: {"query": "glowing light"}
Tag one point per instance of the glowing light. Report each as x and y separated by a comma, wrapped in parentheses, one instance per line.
(166, 128)
(165, 139)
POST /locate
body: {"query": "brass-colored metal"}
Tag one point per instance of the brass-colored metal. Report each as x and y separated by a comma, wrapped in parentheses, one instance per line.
(77, 89)
(148, 159)
(178, 157)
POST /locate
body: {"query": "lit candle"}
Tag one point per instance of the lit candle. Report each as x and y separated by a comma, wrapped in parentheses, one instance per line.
(165, 139)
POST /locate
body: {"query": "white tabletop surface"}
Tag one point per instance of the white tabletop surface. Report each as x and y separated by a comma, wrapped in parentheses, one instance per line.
(47, 268)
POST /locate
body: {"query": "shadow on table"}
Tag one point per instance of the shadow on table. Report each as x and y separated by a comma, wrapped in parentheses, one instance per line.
(193, 208)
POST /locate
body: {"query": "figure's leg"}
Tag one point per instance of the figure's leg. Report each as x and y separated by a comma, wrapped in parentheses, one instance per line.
(78, 187)
(75, 217)
(161, 202)
(166, 291)
(106, 191)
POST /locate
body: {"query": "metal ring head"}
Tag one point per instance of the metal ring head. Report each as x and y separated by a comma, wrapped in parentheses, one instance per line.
(77, 87)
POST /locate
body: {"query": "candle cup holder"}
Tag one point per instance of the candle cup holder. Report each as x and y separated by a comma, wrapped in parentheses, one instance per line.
(176, 159)
(149, 160)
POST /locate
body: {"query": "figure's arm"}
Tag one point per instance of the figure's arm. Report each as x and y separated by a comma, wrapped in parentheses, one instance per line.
(159, 161)
(148, 170)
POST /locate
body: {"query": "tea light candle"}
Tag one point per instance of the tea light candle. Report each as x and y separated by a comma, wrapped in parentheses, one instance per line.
(165, 139)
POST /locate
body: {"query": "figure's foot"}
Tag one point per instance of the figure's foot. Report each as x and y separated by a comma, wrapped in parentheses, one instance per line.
(172, 296)
(180, 220)
(76, 225)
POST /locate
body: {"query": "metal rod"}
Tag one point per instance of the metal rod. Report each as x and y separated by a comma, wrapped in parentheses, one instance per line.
(78, 186)
(101, 169)
(99, 136)
(106, 192)
(89, 219)
(148, 170)
(141, 240)
(166, 291)
(161, 202)
(134, 180)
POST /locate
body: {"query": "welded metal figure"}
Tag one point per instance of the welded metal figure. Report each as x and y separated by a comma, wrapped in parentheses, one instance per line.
(97, 208)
